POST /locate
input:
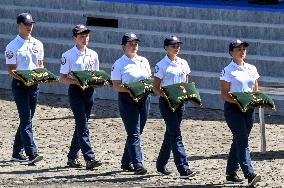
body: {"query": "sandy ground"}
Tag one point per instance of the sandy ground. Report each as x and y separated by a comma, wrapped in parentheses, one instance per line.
(205, 135)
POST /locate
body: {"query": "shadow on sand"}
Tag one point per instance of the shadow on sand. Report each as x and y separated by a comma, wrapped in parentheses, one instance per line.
(256, 156)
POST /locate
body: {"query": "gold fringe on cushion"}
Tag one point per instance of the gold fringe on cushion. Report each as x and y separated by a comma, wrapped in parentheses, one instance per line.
(139, 89)
(91, 78)
(189, 93)
(247, 100)
(39, 75)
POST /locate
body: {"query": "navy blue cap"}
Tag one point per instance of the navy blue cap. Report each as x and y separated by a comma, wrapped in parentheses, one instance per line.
(235, 43)
(171, 40)
(128, 37)
(25, 18)
(80, 28)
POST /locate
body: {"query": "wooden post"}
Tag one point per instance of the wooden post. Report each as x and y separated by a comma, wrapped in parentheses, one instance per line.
(262, 130)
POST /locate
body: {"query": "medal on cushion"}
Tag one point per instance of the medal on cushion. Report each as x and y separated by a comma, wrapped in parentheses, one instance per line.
(181, 87)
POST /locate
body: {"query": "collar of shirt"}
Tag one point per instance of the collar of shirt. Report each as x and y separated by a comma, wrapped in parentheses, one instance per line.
(167, 59)
(20, 39)
(79, 53)
(135, 59)
(235, 65)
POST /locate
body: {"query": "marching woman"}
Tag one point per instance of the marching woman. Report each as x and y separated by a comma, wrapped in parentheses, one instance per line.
(239, 76)
(24, 53)
(80, 58)
(129, 68)
(171, 70)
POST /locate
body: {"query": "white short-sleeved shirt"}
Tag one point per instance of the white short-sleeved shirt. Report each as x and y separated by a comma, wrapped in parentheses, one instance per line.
(25, 54)
(241, 78)
(129, 70)
(75, 60)
(171, 73)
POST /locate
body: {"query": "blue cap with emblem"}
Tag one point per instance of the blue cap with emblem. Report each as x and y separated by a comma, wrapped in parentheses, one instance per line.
(80, 28)
(171, 40)
(25, 18)
(235, 43)
(128, 37)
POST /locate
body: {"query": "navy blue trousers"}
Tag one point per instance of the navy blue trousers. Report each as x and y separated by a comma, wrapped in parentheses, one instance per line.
(172, 138)
(240, 124)
(81, 103)
(134, 116)
(26, 100)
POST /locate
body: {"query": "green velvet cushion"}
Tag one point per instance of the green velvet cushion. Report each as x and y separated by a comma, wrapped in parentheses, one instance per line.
(139, 89)
(177, 94)
(246, 100)
(91, 78)
(39, 75)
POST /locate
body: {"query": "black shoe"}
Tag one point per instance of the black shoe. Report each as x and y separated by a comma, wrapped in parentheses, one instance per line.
(140, 171)
(128, 168)
(34, 158)
(164, 172)
(253, 179)
(74, 163)
(187, 174)
(91, 164)
(19, 157)
(233, 180)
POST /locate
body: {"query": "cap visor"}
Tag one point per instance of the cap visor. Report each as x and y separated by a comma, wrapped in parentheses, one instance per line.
(83, 31)
(133, 40)
(28, 23)
(245, 44)
(130, 40)
(174, 42)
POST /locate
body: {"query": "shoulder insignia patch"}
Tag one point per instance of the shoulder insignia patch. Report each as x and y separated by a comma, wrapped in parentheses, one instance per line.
(63, 60)
(222, 73)
(9, 54)
(156, 69)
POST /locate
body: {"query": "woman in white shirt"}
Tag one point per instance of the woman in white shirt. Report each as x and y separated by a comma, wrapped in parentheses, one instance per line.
(171, 70)
(239, 76)
(130, 68)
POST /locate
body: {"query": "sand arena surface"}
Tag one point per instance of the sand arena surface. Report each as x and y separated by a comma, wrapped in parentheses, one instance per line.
(205, 135)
